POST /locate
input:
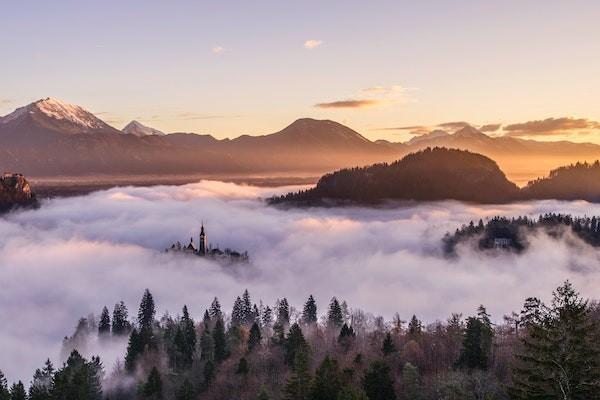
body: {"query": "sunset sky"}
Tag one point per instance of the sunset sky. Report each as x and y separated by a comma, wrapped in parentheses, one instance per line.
(252, 67)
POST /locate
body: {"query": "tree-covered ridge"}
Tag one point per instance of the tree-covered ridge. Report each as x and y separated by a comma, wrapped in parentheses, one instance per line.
(444, 174)
(258, 352)
(512, 233)
(427, 175)
(580, 181)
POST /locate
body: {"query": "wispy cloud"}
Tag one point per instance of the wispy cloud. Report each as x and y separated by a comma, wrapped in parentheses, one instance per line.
(490, 127)
(312, 44)
(218, 49)
(350, 103)
(454, 125)
(5, 101)
(194, 115)
(551, 126)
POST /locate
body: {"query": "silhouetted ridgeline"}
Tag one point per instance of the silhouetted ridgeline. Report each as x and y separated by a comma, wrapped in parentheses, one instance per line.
(580, 181)
(512, 233)
(261, 353)
(444, 174)
(430, 174)
(15, 192)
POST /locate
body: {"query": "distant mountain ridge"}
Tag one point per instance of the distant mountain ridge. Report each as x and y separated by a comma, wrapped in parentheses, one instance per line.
(49, 138)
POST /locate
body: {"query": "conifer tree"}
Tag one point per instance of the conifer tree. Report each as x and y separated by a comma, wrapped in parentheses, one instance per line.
(309, 313)
(294, 343)
(561, 356)
(146, 312)
(349, 393)
(283, 312)
(335, 316)
(206, 319)
(220, 341)
(42, 382)
(78, 379)
(388, 347)
(135, 348)
(346, 336)
(247, 315)
(187, 343)
(242, 368)
(267, 317)
(411, 385)
(474, 354)
(215, 310)
(237, 317)
(327, 383)
(414, 327)
(4, 392)
(120, 325)
(299, 384)
(254, 338)
(17, 391)
(104, 324)
(153, 388)
(377, 382)
(208, 373)
(186, 391)
(207, 345)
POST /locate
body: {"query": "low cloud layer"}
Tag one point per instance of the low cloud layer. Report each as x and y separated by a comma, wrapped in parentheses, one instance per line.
(75, 255)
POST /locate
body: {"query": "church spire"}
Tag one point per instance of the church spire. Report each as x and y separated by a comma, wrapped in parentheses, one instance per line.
(202, 244)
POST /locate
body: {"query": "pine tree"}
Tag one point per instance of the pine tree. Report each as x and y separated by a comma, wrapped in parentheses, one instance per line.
(377, 382)
(411, 382)
(120, 325)
(185, 391)
(414, 327)
(135, 348)
(298, 385)
(388, 347)
(267, 317)
(254, 338)
(215, 310)
(220, 341)
(146, 312)
(346, 336)
(236, 313)
(4, 392)
(153, 388)
(208, 373)
(283, 312)
(560, 357)
(207, 345)
(309, 313)
(246, 314)
(17, 391)
(242, 368)
(294, 343)
(186, 344)
(206, 319)
(474, 354)
(327, 383)
(104, 324)
(335, 316)
(78, 379)
(42, 382)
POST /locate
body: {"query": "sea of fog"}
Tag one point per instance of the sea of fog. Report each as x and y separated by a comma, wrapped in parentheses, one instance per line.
(74, 255)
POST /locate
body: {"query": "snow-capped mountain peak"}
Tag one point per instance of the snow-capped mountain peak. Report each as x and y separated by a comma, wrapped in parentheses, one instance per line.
(59, 111)
(137, 129)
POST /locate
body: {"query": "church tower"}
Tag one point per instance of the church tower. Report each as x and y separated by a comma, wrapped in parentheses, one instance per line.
(202, 247)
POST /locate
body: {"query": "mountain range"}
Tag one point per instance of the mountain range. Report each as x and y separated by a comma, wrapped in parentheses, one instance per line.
(50, 138)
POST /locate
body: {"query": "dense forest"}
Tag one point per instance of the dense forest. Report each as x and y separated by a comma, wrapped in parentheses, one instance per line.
(547, 351)
(444, 174)
(513, 232)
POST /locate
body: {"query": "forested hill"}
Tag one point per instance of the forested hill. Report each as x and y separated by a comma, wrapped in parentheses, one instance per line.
(428, 175)
(579, 181)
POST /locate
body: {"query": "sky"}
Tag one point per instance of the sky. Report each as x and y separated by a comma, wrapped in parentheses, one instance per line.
(62, 262)
(238, 67)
